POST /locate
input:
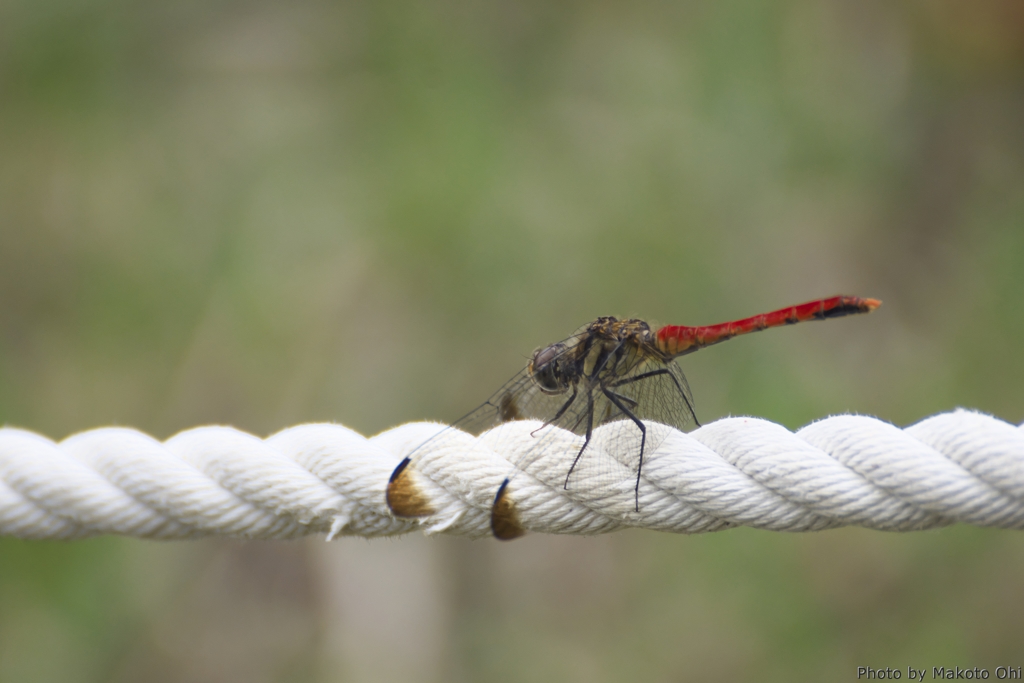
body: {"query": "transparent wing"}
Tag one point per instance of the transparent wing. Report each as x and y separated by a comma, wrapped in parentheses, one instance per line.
(623, 405)
(651, 389)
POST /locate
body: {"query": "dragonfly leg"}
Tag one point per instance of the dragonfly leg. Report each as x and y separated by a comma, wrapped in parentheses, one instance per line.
(561, 411)
(615, 398)
(632, 403)
(653, 373)
(637, 378)
(586, 441)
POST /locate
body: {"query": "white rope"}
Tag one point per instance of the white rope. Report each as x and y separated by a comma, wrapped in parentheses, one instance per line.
(324, 478)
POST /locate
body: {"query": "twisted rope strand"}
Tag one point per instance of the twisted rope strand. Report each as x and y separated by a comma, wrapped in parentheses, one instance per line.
(960, 466)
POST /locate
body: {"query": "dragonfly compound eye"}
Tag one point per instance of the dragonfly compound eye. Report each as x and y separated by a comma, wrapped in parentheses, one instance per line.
(544, 368)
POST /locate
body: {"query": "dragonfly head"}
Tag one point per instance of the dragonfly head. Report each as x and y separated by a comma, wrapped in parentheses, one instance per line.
(546, 371)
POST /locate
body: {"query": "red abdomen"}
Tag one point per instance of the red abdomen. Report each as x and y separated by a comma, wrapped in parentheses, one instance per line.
(676, 340)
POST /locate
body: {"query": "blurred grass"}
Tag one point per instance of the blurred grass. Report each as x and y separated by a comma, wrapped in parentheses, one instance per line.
(262, 214)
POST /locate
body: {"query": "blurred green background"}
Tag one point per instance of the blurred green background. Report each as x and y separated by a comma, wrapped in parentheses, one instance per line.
(262, 214)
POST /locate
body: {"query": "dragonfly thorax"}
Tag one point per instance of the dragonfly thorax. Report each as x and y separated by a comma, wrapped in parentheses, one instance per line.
(605, 346)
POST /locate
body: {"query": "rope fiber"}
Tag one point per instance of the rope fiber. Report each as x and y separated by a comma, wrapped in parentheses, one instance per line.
(961, 466)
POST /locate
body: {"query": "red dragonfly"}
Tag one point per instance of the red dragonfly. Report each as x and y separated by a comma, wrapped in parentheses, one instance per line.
(609, 371)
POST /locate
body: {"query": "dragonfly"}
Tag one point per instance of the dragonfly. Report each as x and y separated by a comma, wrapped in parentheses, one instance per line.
(609, 371)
